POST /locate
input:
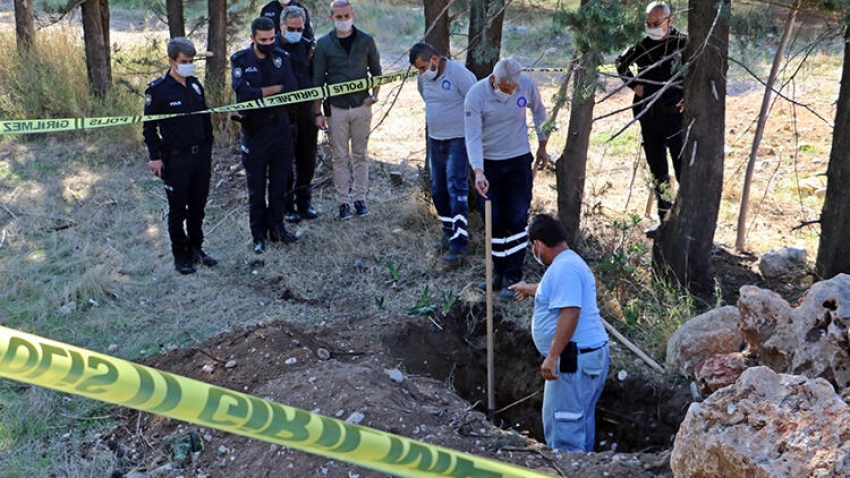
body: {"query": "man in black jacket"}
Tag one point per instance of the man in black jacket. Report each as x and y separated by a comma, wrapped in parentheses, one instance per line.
(259, 71)
(180, 152)
(658, 98)
(293, 23)
(274, 9)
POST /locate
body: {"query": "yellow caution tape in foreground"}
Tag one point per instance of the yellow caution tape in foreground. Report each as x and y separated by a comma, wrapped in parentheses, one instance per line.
(47, 363)
(309, 94)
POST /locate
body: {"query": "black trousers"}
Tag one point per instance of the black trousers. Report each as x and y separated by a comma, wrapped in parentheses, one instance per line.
(662, 133)
(187, 185)
(305, 137)
(267, 158)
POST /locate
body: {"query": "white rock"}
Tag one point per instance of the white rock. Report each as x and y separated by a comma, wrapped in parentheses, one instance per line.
(395, 375)
(230, 364)
(208, 368)
(783, 262)
(67, 308)
(622, 375)
(112, 348)
(291, 361)
(323, 354)
(355, 418)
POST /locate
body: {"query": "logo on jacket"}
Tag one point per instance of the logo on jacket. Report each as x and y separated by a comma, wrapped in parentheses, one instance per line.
(237, 72)
(446, 85)
(252, 69)
(148, 99)
(522, 102)
(196, 88)
(175, 103)
(277, 61)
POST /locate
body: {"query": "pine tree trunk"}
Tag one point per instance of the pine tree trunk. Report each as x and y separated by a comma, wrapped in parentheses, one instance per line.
(216, 67)
(485, 35)
(437, 26)
(24, 26)
(682, 249)
(834, 248)
(176, 22)
(96, 38)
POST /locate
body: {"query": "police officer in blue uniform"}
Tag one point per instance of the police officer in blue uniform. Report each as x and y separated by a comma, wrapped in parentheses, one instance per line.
(180, 152)
(261, 70)
(293, 25)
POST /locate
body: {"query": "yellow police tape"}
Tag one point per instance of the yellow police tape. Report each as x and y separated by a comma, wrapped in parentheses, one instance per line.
(51, 364)
(309, 94)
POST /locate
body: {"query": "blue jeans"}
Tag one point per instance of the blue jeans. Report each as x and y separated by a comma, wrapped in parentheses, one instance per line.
(450, 188)
(569, 403)
(510, 196)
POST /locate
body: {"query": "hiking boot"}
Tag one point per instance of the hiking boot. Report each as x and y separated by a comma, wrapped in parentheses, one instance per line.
(292, 217)
(199, 256)
(344, 212)
(259, 246)
(652, 232)
(453, 257)
(442, 245)
(360, 208)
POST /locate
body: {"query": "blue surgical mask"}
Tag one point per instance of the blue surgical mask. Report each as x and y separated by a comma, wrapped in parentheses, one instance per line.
(186, 69)
(292, 37)
(344, 26)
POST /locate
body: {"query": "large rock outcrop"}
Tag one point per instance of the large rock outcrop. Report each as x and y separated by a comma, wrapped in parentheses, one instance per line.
(765, 425)
(811, 339)
(704, 336)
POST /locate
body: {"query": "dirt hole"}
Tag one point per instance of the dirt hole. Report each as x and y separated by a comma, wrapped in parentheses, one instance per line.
(634, 415)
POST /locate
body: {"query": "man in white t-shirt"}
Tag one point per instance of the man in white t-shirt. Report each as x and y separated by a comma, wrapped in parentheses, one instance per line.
(443, 85)
(568, 331)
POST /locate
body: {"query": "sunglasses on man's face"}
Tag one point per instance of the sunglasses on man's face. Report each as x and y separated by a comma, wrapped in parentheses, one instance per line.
(295, 29)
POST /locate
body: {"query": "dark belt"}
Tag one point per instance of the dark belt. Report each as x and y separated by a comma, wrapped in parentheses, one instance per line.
(594, 349)
(187, 150)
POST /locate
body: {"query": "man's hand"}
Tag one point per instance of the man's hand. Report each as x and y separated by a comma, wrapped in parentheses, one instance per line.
(523, 290)
(542, 158)
(321, 123)
(547, 368)
(638, 91)
(481, 183)
(156, 167)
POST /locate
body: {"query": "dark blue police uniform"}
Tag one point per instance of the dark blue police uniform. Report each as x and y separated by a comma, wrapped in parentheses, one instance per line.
(184, 144)
(305, 133)
(266, 140)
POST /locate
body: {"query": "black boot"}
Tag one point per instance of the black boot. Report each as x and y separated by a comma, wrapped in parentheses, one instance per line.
(183, 261)
(199, 256)
(282, 235)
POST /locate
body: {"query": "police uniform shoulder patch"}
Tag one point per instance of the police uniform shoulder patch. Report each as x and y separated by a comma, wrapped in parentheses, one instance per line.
(278, 61)
(197, 88)
(148, 99)
(237, 72)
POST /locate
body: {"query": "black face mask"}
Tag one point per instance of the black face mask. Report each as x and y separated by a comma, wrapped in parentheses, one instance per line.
(266, 49)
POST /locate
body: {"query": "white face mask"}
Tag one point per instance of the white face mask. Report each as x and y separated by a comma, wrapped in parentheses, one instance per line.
(430, 74)
(284, 2)
(186, 69)
(656, 33)
(344, 26)
(536, 257)
(502, 95)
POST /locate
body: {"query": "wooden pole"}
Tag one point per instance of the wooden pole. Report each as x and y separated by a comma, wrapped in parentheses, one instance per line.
(488, 277)
(623, 340)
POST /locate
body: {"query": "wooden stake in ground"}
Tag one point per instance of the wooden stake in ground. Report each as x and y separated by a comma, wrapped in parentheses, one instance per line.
(488, 279)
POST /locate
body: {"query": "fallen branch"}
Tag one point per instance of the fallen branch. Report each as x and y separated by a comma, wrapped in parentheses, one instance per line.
(622, 339)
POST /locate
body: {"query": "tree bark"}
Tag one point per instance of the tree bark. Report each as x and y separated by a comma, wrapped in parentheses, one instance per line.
(834, 248)
(682, 249)
(96, 38)
(216, 66)
(571, 169)
(437, 24)
(485, 35)
(176, 22)
(24, 27)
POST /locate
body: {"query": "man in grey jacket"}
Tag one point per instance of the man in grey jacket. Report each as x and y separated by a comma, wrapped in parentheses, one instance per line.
(500, 156)
(345, 54)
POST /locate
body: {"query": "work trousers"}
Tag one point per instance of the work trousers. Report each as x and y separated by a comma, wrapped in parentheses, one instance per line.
(187, 184)
(349, 137)
(511, 182)
(267, 158)
(569, 403)
(660, 133)
(450, 188)
(305, 135)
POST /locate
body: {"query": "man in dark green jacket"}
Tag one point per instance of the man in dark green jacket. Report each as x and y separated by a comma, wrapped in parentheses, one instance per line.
(345, 54)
